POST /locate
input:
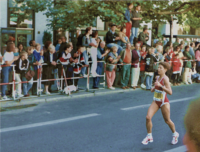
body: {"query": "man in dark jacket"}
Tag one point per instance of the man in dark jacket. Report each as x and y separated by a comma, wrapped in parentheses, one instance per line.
(135, 23)
(112, 37)
(143, 36)
(63, 44)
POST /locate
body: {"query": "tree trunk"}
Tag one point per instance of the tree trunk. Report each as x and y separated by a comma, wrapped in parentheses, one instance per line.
(192, 31)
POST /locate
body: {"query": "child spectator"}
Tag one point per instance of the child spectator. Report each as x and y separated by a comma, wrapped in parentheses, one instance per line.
(20, 47)
(111, 59)
(16, 52)
(38, 53)
(58, 45)
(22, 65)
(33, 66)
(80, 62)
(187, 64)
(176, 64)
(66, 59)
(149, 71)
(143, 54)
(194, 74)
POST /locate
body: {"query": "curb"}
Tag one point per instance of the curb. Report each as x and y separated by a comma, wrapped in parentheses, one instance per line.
(57, 98)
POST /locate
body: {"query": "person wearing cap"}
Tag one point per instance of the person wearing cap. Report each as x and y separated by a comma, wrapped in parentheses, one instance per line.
(135, 23)
(112, 38)
(128, 15)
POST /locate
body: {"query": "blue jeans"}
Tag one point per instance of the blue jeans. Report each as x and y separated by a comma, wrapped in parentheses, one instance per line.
(83, 70)
(5, 79)
(134, 32)
(143, 76)
(27, 86)
(125, 75)
(99, 71)
(197, 75)
(119, 48)
(149, 80)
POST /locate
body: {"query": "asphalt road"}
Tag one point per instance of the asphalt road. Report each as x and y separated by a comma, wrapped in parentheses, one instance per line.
(103, 123)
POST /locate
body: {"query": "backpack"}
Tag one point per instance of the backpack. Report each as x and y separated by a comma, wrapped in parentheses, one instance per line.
(79, 40)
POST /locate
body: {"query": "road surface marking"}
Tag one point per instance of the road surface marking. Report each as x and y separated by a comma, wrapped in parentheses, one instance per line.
(47, 123)
(147, 105)
(179, 149)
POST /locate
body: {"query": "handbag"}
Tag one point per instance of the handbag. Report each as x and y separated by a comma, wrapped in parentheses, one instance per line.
(29, 75)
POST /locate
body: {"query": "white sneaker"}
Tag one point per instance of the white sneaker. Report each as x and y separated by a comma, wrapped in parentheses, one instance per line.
(47, 93)
(175, 139)
(111, 88)
(19, 96)
(143, 86)
(190, 82)
(5, 98)
(186, 83)
(85, 75)
(147, 139)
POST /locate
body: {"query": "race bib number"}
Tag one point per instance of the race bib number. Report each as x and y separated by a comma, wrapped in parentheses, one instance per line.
(158, 96)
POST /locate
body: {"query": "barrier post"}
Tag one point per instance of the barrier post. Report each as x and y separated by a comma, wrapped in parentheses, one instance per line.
(61, 79)
(104, 77)
(13, 88)
(40, 81)
(88, 79)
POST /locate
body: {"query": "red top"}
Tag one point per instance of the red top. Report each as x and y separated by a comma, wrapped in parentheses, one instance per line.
(143, 62)
(176, 64)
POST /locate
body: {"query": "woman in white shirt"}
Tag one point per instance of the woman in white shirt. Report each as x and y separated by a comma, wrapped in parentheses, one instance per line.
(94, 44)
(8, 59)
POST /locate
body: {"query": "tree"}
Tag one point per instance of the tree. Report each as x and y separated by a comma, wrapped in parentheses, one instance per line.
(69, 14)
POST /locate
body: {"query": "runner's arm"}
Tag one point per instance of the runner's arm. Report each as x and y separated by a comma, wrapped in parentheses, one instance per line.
(167, 88)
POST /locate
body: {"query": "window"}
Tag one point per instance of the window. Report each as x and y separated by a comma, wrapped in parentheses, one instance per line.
(19, 18)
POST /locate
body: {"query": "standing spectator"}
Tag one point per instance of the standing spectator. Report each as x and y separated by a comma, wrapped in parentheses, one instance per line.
(112, 59)
(86, 42)
(33, 66)
(149, 71)
(94, 44)
(20, 47)
(63, 44)
(58, 45)
(187, 64)
(194, 74)
(46, 46)
(78, 65)
(176, 43)
(32, 43)
(143, 36)
(38, 53)
(112, 38)
(66, 59)
(182, 46)
(135, 23)
(123, 38)
(50, 59)
(126, 57)
(164, 41)
(176, 64)
(197, 56)
(101, 53)
(143, 54)
(135, 68)
(128, 16)
(168, 58)
(192, 46)
(8, 59)
(21, 68)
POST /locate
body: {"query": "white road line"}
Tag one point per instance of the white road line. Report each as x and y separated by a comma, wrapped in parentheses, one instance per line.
(147, 105)
(47, 123)
(179, 149)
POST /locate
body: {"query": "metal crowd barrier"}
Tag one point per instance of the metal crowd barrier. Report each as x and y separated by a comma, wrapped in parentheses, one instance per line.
(39, 77)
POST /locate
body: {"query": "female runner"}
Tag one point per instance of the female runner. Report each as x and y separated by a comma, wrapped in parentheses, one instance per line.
(160, 100)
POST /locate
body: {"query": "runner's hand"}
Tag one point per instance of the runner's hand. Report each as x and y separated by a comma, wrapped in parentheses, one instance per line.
(152, 89)
(157, 83)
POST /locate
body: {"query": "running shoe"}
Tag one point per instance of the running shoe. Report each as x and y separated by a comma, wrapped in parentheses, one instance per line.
(111, 88)
(5, 98)
(143, 86)
(146, 140)
(19, 96)
(175, 138)
(47, 93)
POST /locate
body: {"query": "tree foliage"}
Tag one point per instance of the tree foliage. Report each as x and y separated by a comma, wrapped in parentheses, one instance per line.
(69, 14)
